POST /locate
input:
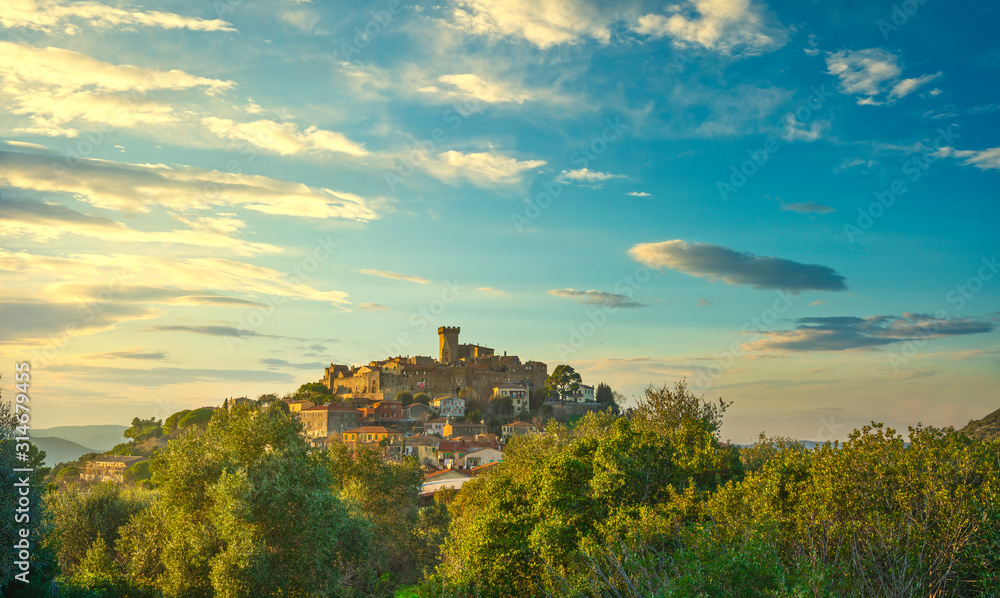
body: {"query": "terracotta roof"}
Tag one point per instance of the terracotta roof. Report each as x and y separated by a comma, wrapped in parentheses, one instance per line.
(521, 425)
(437, 420)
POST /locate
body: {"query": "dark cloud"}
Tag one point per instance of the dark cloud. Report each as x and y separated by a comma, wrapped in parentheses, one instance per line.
(601, 298)
(212, 330)
(810, 207)
(130, 354)
(142, 294)
(27, 322)
(845, 333)
(36, 212)
(735, 267)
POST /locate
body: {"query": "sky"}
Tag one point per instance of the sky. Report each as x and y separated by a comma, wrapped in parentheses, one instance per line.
(791, 205)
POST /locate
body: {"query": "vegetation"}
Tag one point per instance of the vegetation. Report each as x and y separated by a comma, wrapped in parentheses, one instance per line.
(651, 504)
(562, 378)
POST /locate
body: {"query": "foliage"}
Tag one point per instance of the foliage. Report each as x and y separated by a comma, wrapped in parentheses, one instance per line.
(198, 417)
(143, 429)
(317, 392)
(607, 397)
(387, 495)
(422, 397)
(563, 378)
(405, 397)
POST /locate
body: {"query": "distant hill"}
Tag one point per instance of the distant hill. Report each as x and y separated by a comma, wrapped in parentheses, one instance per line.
(101, 438)
(987, 428)
(59, 450)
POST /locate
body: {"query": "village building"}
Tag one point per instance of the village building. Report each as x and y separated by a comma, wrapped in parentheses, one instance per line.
(382, 412)
(296, 406)
(449, 406)
(482, 456)
(322, 421)
(517, 392)
(368, 435)
(446, 478)
(452, 429)
(108, 468)
(518, 428)
(417, 412)
(435, 426)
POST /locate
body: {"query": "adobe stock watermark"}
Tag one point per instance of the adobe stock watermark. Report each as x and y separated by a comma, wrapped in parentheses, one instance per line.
(248, 325)
(740, 173)
(914, 168)
(958, 297)
(758, 325)
(424, 317)
(581, 157)
(597, 318)
(900, 15)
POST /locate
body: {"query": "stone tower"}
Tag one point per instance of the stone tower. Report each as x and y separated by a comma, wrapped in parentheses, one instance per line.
(448, 336)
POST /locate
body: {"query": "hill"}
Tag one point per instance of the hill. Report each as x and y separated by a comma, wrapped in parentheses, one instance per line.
(987, 428)
(59, 450)
(101, 438)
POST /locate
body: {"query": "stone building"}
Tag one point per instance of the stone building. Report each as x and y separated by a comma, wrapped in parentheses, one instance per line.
(320, 422)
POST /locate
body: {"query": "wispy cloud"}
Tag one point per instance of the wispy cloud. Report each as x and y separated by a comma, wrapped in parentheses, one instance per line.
(141, 354)
(809, 207)
(735, 267)
(585, 176)
(482, 169)
(284, 138)
(987, 159)
(134, 188)
(639, 194)
(470, 86)
(395, 276)
(491, 291)
(601, 298)
(872, 72)
(53, 14)
(367, 306)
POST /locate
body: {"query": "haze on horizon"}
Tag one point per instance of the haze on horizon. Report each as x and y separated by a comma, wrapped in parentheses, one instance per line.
(791, 205)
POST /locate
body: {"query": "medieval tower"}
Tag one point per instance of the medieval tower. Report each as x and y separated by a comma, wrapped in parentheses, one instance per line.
(448, 341)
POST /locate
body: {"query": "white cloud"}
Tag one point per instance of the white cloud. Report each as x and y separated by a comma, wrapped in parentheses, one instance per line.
(987, 159)
(724, 26)
(906, 86)
(395, 276)
(472, 86)
(49, 15)
(639, 194)
(872, 72)
(134, 188)
(54, 87)
(585, 176)
(483, 169)
(284, 138)
(796, 131)
(544, 23)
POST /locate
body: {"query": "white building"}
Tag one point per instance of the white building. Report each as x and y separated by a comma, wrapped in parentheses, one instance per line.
(585, 394)
(450, 406)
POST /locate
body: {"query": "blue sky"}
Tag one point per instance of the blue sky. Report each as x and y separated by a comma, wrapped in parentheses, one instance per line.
(791, 204)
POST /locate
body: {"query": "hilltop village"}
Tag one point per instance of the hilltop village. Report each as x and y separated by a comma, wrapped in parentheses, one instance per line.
(454, 414)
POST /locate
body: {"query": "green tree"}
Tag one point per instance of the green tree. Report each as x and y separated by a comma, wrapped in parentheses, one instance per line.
(170, 424)
(422, 397)
(143, 429)
(608, 398)
(224, 524)
(317, 392)
(197, 418)
(562, 379)
(405, 397)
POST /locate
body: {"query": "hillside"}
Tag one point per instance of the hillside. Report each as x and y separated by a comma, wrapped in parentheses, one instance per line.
(986, 428)
(59, 450)
(101, 437)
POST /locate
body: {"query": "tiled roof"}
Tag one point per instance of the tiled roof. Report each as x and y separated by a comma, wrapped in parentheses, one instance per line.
(442, 472)
(371, 430)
